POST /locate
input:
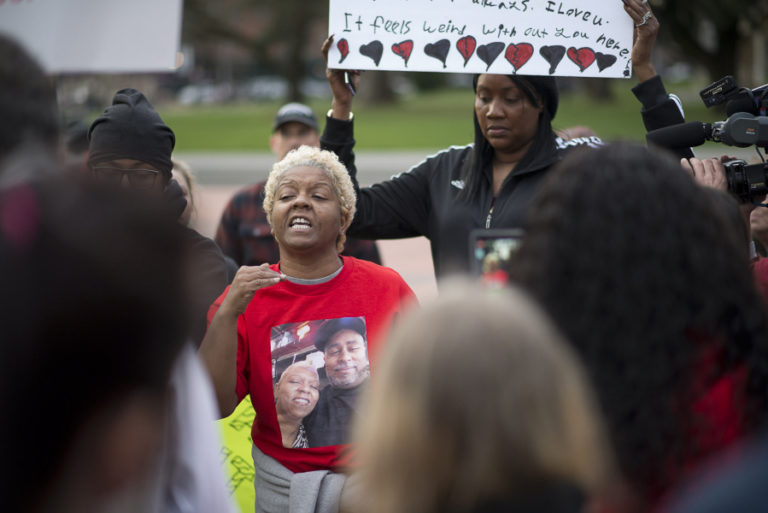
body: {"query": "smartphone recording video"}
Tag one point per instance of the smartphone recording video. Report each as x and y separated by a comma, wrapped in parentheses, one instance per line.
(490, 253)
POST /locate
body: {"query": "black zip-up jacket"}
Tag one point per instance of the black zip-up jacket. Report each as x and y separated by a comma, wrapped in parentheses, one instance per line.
(423, 200)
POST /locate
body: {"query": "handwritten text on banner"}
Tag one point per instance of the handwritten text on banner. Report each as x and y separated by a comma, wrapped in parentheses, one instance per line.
(590, 38)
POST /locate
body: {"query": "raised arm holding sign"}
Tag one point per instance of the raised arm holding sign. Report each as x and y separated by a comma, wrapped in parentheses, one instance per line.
(491, 182)
(487, 184)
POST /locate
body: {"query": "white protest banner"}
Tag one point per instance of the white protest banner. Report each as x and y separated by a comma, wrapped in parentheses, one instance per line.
(96, 35)
(587, 38)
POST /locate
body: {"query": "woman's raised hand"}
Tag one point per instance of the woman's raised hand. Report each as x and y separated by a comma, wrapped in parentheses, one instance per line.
(344, 84)
(643, 37)
(247, 281)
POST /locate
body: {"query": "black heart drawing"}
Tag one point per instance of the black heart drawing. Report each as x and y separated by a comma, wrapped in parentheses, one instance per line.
(489, 52)
(604, 60)
(553, 55)
(438, 50)
(374, 50)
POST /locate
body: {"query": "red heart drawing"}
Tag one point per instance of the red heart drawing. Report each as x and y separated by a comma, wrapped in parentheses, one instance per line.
(404, 50)
(343, 47)
(518, 54)
(466, 46)
(583, 57)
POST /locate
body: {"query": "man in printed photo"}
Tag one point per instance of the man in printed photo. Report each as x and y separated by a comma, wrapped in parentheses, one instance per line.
(344, 346)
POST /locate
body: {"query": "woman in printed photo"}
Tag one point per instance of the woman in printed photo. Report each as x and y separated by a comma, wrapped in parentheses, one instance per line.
(296, 394)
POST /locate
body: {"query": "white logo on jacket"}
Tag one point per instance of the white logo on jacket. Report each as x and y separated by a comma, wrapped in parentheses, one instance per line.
(592, 142)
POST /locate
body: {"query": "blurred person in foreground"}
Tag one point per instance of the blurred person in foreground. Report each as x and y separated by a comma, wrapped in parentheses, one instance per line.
(93, 320)
(642, 272)
(243, 232)
(130, 147)
(758, 224)
(478, 405)
(28, 108)
(733, 483)
(272, 314)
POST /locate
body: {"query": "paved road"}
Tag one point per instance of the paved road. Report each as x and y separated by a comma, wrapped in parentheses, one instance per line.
(248, 167)
(243, 168)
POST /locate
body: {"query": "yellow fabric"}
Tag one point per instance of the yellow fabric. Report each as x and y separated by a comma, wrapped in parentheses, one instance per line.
(236, 434)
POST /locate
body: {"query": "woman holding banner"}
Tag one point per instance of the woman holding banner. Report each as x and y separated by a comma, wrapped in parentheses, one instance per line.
(489, 183)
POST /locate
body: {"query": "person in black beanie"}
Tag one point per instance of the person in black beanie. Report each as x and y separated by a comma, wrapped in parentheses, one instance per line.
(130, 146)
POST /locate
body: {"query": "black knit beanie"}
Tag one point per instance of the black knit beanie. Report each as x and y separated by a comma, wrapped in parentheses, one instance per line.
(131, 129)
(544, 86)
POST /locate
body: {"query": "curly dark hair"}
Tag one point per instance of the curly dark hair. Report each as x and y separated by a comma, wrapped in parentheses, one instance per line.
(650, 280)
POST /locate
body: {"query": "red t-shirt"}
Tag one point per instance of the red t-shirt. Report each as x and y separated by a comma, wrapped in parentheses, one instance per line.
(279, 328)
(716, 415)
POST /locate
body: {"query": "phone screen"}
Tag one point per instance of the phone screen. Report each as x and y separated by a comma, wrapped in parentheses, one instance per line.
(491, 252)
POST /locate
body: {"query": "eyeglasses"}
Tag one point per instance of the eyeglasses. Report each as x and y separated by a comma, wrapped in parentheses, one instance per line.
(137, 178)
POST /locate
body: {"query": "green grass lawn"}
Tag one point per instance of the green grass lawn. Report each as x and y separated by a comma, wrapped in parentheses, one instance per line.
(429, 120)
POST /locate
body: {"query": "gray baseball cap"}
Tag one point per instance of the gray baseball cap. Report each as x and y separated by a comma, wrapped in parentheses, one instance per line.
(333, 326)
(295, 112)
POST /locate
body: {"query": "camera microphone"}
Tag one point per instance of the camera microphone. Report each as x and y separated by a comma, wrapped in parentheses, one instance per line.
(742, 130)
(684, 135)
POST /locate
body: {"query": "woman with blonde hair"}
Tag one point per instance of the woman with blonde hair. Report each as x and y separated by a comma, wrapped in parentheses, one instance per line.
(182, 173)
(309, 203)
(479, 405)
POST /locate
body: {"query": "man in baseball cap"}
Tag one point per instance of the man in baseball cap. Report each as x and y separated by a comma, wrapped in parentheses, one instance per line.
(295, 125)
(297, 112)
(345, 350)
(243, 233)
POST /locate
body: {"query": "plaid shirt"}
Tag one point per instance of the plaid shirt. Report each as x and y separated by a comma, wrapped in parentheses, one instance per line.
(244, 234)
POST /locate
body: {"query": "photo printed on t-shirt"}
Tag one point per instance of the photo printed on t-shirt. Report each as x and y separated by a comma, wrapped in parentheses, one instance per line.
(318, 370)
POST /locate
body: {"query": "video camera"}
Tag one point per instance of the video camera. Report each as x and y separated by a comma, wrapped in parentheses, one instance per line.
(747, 125)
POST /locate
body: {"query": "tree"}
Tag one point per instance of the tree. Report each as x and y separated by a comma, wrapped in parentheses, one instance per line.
(713, 34)
(281, 37)
(292, 22)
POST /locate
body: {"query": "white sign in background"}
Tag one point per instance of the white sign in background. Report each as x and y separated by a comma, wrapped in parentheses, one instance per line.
(96, 36)
(588, 38)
